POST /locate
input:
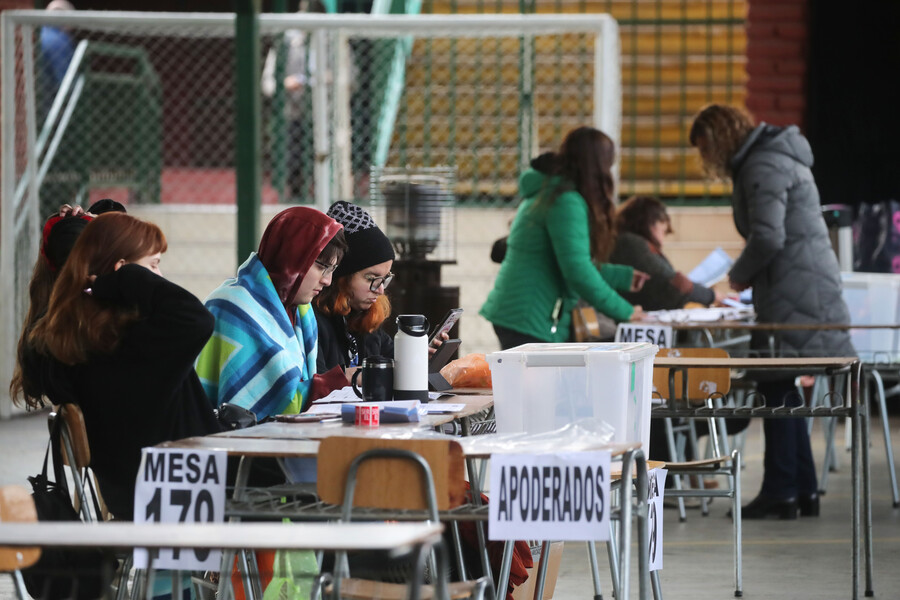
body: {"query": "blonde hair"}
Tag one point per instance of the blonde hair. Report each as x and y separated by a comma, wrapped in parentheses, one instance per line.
(723, 130)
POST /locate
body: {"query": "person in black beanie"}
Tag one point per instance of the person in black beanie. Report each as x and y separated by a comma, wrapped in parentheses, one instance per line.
(351, 310)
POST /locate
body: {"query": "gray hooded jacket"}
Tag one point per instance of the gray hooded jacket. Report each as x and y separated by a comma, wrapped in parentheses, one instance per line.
(788, 257)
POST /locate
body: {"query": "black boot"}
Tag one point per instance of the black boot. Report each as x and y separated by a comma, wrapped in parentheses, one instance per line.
(809, 505)
(763, 505)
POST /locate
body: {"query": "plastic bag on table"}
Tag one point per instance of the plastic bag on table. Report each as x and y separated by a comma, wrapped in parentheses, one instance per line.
(469, 371)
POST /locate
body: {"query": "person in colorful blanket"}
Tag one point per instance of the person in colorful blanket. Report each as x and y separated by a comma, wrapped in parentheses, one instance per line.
(262, 354)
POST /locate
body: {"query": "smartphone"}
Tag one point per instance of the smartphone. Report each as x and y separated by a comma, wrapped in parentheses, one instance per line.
(446, 325)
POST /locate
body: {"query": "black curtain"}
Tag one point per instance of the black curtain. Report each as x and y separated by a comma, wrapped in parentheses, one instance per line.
(853, 104)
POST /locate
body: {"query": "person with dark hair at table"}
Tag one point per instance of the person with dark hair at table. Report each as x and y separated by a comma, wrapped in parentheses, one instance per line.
(642, 224)
(790, 264)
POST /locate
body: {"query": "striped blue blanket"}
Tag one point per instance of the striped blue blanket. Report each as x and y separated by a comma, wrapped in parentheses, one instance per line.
(255, 357)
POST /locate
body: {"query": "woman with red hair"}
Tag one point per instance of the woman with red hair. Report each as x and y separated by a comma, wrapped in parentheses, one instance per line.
(350, 312)
(120, 341)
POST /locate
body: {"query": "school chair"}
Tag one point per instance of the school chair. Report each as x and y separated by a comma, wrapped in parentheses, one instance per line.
(75, 451)
(76, 454)
(16, 506)
(702, 389)
(397, 478)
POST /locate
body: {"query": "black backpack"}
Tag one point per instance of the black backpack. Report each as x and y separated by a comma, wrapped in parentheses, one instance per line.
(79, 574)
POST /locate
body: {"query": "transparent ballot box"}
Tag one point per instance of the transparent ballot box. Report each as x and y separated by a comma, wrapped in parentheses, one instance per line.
(541, 387)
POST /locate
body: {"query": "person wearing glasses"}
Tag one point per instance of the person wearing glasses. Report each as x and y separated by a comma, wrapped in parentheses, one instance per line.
(262, 354)
(351, 311)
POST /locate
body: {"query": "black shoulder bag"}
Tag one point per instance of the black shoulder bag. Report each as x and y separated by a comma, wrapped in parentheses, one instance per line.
(60, 573)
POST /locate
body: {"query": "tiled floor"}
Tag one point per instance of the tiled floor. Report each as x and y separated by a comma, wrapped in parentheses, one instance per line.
(807, 558)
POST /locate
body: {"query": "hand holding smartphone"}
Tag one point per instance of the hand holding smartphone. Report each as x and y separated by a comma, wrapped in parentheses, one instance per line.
(446, 325)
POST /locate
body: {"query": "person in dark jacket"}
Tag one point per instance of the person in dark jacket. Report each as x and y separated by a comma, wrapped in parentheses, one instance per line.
(120, 341)
(642, 224)
(350, 312)
(794, 273)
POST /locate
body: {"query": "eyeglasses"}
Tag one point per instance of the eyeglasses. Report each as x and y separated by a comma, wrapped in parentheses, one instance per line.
(326, 269)
(377, 282)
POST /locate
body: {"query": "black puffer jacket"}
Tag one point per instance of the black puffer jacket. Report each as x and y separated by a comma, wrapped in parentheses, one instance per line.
(788, 258)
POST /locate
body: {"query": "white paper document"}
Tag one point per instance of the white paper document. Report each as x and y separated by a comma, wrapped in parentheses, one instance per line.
(712, 269)
(345, 394)
(331, 408)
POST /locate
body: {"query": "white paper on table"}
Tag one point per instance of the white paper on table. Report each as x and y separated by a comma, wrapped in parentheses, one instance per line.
(712, 269)
(439, 395)
(701, 315)
(345, 394)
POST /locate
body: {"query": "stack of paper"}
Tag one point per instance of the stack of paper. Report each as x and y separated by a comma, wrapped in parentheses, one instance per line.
(701, 315)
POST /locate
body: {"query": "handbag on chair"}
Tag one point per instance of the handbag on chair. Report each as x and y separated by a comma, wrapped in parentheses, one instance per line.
(82, 574)
(590, 326)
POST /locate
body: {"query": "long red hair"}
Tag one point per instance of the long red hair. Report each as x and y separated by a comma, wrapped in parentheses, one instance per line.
(77, 324)
(335, 300)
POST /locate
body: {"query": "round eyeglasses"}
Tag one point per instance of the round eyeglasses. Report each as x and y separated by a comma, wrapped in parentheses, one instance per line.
(326, 269)
(377, 282)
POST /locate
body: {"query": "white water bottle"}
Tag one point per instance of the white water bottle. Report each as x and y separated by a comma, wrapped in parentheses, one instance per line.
(411, 358)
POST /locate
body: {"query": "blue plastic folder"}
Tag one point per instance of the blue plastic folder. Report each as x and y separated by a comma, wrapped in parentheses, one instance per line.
(401, 411)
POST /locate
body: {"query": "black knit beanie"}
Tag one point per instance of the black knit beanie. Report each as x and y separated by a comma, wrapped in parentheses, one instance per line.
(368, 245)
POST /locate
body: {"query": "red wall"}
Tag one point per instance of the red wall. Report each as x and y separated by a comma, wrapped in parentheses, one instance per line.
(777, 56)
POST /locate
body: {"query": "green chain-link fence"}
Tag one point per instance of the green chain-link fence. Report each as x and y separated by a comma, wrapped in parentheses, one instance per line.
(677, 55)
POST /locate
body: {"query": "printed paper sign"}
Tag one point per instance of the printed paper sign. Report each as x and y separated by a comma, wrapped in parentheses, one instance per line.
(561, 496)
(657, 488)
(661, 335)
(180, 486)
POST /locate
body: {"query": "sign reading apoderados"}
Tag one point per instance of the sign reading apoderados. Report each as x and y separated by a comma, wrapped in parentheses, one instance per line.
(562, 496)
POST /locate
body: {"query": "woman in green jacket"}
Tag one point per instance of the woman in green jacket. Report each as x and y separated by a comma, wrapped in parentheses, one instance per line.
(562, 228)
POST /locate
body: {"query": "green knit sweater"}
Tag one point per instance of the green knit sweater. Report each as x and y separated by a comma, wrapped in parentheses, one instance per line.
(548, 259)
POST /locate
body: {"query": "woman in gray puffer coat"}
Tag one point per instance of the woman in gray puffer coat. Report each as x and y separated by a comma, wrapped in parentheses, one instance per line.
(789, 262)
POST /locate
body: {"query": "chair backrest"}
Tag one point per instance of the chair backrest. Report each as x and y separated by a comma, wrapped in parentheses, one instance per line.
(391, 482)
(73, 427)
(17, 506)
(74, 442)
(702, 382)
